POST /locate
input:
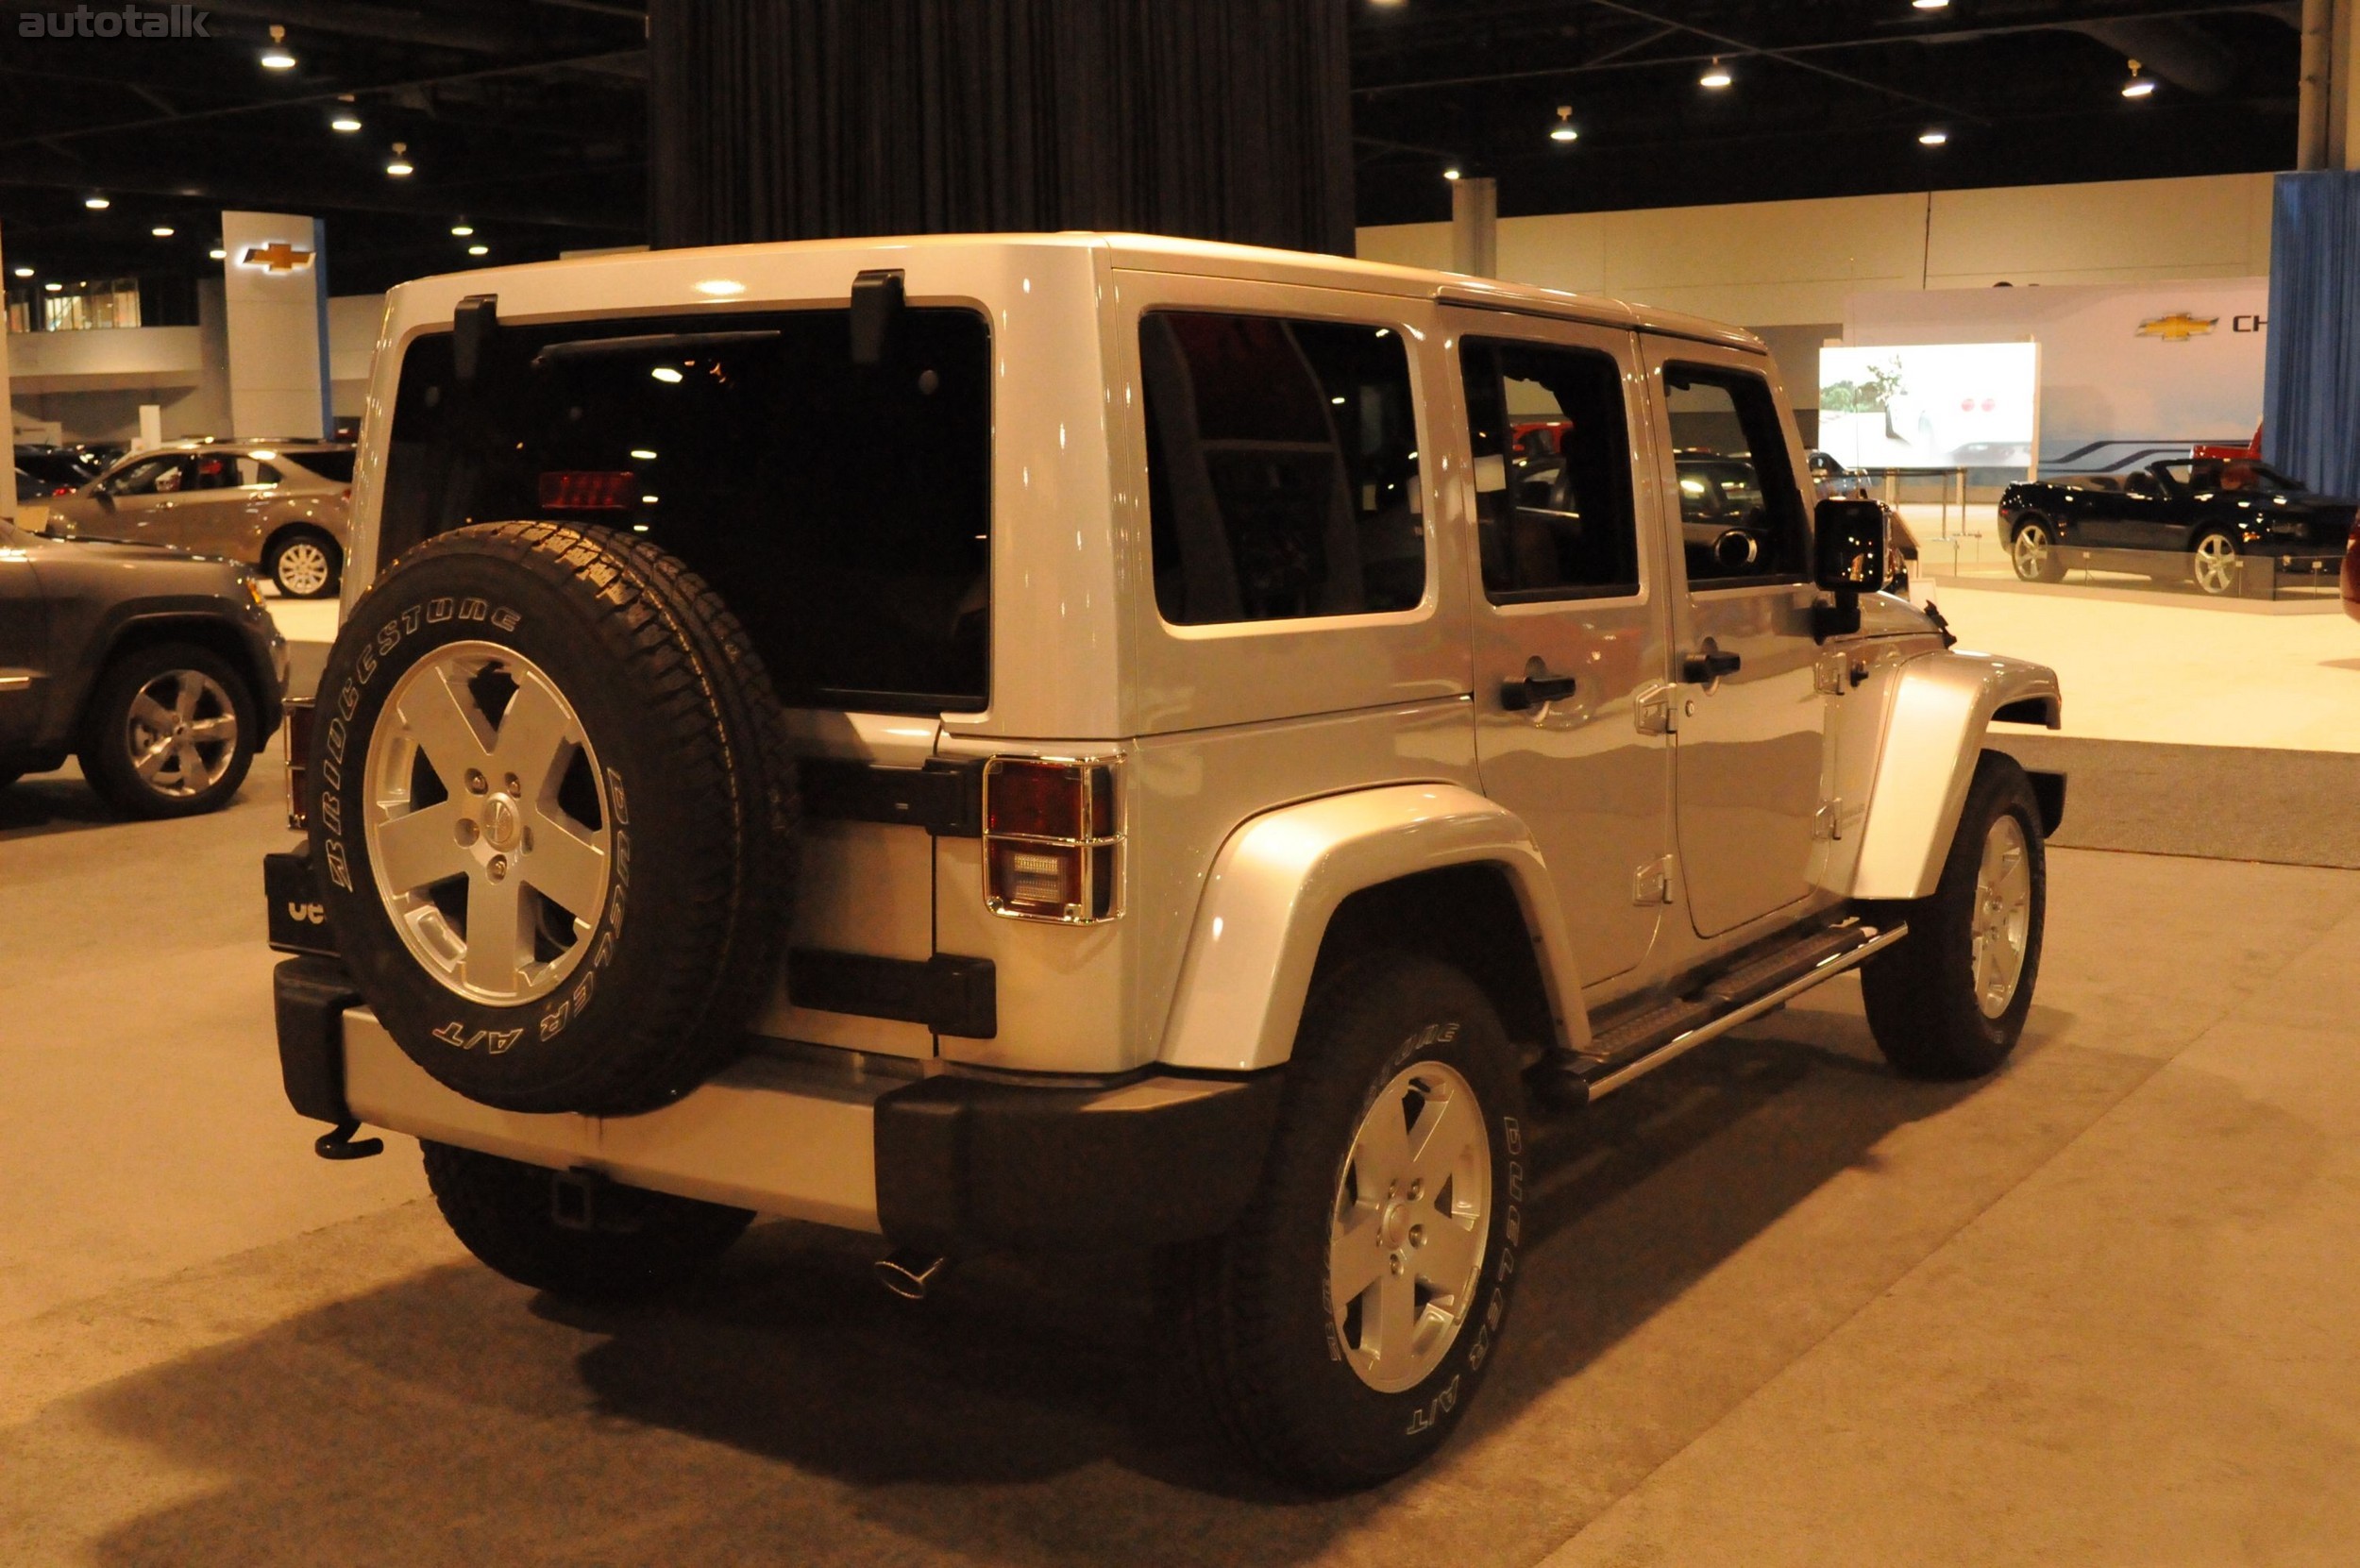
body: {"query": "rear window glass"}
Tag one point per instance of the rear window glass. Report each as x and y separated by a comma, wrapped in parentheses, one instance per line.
(1282, 466)
(842, 510)
(327, 466)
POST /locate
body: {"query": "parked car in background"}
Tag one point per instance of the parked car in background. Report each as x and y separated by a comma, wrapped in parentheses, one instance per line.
(2200, 517)
(160, 670)
(278, 505)
(59, 470)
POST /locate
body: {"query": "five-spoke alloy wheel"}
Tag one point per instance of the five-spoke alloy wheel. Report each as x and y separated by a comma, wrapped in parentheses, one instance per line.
(170, 732)
(2214, 565)
(487, 824)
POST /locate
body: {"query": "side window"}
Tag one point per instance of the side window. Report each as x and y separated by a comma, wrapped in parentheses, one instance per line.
(252, 472)
(1741, 512)
(1281, 468)
(160, 476)
(214, 471)
(1552, 466)
(335, 467)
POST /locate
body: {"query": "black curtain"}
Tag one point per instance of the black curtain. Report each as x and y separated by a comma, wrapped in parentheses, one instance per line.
(804, 119)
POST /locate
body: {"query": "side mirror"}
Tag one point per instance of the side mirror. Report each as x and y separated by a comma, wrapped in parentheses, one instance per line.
(1847, 558)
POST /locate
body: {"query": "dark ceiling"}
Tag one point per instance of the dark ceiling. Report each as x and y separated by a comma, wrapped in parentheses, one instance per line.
(525, 118)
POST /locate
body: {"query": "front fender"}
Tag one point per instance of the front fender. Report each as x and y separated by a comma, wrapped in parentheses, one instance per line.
(1280, 878)
(1943, 705)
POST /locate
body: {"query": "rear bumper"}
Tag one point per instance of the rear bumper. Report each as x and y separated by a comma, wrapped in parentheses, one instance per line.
(951, 1164)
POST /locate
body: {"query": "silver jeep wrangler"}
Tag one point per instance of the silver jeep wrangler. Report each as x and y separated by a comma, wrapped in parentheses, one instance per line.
(1090, 741)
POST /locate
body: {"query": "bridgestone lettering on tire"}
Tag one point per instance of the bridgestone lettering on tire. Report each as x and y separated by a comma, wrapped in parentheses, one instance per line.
(552, 817)
(1296, 1321)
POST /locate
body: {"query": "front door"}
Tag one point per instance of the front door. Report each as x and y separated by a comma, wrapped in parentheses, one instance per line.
(1569, 640)
(136, 501)
(1751, 724)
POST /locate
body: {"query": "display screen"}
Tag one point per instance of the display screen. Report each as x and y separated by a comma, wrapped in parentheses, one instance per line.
(1933, 405)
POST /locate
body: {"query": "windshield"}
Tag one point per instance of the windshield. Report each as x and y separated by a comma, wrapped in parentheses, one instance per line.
(843, 511)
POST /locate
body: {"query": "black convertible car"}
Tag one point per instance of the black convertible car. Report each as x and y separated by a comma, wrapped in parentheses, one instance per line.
(2210, 514)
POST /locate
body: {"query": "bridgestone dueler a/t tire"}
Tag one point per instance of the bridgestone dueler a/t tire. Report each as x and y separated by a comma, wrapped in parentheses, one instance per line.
(693, 751)
(1920, 992)
(1254, 1304)
(629, 1245)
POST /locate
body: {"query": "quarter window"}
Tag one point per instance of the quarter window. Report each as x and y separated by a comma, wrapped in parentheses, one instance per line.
(1552, 466)
(1281, 463)
(1741, 512)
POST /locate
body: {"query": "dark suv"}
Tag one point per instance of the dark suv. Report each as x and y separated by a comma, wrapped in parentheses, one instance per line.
(160, 669)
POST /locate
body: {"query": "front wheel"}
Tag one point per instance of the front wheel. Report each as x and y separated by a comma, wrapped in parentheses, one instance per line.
(2034, 553)
(169, 731)
(621, 1244)
(1343, 1328)
(2214, 563)
(1949, 998)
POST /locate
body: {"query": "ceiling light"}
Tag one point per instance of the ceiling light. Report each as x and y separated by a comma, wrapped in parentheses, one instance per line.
(344, 123)
(96, 204)
(2138, 86)
(1451, 173)
(55, 288)
(218, 254)
(665, 374)
(479, 250)
(462, 229)
(275, 57)
(161, 232)
(400, 167)
(1933, 137)
(1931, 4)
(644, 454)
(1563, 131)
(24, 272)
(1716, 75)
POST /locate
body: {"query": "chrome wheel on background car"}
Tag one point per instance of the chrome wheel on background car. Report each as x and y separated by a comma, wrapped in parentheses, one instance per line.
(2214, 565)
(1413, 1211)
(2034, 554)
(182, 733)
(487, 824)
(303, 564)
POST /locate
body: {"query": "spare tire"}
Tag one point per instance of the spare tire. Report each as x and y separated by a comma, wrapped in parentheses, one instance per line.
(553, 809)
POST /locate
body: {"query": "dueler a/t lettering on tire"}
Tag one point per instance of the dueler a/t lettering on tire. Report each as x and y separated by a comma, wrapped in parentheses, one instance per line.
(1342, 1327)
(552, 814)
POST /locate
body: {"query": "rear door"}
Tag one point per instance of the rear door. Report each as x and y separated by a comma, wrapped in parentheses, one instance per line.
(1752, 726)
(1568, 634)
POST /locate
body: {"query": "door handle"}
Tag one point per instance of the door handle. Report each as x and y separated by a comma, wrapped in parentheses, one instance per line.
(1703, 668)
(1537, 689)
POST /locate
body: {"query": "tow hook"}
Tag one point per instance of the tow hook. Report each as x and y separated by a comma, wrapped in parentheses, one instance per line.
(339, 1143)
(907, 1273)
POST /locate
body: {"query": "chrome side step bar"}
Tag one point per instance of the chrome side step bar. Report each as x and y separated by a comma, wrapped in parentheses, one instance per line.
(1640, 1044)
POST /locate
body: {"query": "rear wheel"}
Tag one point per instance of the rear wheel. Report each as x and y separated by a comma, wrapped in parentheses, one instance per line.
(1949, 1000)
(2214, 563)
(2032, 550)
(596, 1242)
(169, 731)
(304, 563)
(1341, 1329)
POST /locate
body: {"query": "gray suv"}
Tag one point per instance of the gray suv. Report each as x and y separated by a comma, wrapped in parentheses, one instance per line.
(159, 668)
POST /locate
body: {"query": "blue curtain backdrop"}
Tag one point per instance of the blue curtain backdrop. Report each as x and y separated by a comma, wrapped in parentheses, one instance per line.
(2311, 393)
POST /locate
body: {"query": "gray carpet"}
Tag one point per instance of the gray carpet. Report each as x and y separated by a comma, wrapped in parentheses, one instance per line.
(2221, 802)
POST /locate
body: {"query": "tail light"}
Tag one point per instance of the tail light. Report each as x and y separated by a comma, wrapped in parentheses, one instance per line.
(295, 734)
(62, 490)
(1052, 840)
(587, 490)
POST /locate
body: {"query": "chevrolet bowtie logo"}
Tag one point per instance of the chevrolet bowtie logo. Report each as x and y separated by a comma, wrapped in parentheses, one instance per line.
(2179, 326)
(279, 256)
